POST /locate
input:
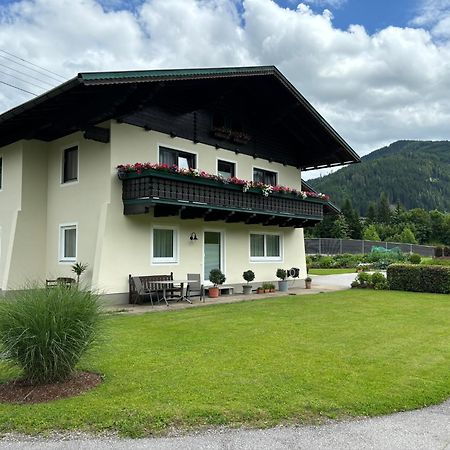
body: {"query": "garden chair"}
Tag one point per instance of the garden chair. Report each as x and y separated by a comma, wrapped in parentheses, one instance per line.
(195, 288)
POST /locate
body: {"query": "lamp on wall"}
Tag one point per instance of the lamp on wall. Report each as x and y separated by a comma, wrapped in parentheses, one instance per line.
(193, 236)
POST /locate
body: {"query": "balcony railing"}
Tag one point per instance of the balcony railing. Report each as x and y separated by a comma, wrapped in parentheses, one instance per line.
(192, 197)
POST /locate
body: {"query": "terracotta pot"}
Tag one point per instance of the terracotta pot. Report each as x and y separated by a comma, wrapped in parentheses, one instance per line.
(266, 291)
(260, 291)
(272, 290)
(213, 292)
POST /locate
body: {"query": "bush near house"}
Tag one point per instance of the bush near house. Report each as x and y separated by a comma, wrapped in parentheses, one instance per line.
(46, 331)
(373, 281)
(419, 278)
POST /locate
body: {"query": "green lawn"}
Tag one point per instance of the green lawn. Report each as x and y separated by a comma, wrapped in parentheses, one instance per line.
(330, 271)
(292, 359)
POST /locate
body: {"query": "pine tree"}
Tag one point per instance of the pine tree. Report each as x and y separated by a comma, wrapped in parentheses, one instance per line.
(353, 220)
(340, 228)
(407, 236)
(371, 234)
(383, 209)
(371, 213)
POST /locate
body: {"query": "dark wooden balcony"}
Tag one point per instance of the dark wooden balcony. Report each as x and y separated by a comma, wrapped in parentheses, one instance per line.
(195, 197)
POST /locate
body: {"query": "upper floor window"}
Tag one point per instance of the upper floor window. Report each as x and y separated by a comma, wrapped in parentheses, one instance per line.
(70, 165)
(1, 173)
(226, 169)
(264, 176)
(68, 243)
(178, 158)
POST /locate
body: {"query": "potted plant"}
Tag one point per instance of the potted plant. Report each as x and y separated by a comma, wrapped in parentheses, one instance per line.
(217, 278)
(308, 282)
(260, 290)
(272, 287)
(282, 283)
(248, 276)
(78, 269)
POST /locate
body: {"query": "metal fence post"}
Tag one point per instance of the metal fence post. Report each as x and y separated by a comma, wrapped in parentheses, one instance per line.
(341, 246)
(362, 246)
(320, 246)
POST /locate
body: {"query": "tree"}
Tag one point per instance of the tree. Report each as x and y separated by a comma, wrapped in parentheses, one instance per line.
(340, 228)
(407, 236)
(370, 233)
(383, 209)
(371, 213)
(353, 220)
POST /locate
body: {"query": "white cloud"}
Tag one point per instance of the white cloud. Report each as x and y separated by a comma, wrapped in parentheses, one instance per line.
(373, 89)
(434, 14)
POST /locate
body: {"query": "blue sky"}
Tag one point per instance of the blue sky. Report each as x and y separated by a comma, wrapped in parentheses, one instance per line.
(372, 14)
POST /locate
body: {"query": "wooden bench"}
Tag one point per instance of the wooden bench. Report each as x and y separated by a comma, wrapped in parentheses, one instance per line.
(61, 281)
(142, 286)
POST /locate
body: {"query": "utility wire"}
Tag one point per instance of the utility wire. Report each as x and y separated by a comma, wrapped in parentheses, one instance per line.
(20, 89)
(35, 65)
(23, 73)
(24, 81)
(29, 68)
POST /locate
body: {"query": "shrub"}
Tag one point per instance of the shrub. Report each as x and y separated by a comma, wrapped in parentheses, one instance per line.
(378, 281)
(419, 278)
(46, 331)
(281, 274)
(216, 277)
(248, 275)
(415, 258)
(366, 280)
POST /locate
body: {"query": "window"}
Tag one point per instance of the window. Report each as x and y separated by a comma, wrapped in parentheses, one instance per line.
(1, 173)
(265, 247)
(70, 165)
(165, 245)
(264, 176)
(226, 169)
(68, 243)
(176, 157)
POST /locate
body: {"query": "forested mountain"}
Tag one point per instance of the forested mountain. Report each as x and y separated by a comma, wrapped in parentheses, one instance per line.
(415, 174)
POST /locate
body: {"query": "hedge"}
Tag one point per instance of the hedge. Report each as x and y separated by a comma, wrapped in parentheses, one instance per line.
(418, 278)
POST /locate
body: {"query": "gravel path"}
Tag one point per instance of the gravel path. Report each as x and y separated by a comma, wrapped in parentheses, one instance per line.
(426, 429)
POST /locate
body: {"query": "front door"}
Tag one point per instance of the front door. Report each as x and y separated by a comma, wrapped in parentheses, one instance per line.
(212, 252)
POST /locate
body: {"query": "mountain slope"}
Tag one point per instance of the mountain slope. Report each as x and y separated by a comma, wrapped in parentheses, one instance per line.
(415, 174)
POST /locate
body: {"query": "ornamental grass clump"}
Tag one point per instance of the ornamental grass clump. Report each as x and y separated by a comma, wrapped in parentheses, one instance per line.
(46, 331)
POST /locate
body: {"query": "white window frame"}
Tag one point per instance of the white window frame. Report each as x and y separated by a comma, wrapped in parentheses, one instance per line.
(229, 161)
(61, 178)
(62, 228)
(178, 149)
(266, 258)
(276, 172)
(175, 259)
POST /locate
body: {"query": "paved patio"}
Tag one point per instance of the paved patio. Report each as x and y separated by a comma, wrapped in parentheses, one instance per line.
(320, 283)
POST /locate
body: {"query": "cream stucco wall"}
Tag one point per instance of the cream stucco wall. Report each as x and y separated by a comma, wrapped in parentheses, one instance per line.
(10, 205)
(34, 203)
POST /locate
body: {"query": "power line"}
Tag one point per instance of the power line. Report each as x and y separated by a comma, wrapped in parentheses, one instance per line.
(23, 81)
(29, 68)
(35, 65)
(29, 76)
(20, 89)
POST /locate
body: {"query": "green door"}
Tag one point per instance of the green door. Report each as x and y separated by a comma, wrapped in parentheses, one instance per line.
(212, 252)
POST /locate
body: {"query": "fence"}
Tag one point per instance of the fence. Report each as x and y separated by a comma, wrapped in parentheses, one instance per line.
(331, 246)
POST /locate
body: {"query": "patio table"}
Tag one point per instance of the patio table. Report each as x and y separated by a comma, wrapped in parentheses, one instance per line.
(182, 297)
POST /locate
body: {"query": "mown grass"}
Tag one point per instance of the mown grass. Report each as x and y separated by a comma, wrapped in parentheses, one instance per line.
(291, 359)
(331, 271)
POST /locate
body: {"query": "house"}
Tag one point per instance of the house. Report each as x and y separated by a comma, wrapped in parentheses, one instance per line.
(61, 199)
